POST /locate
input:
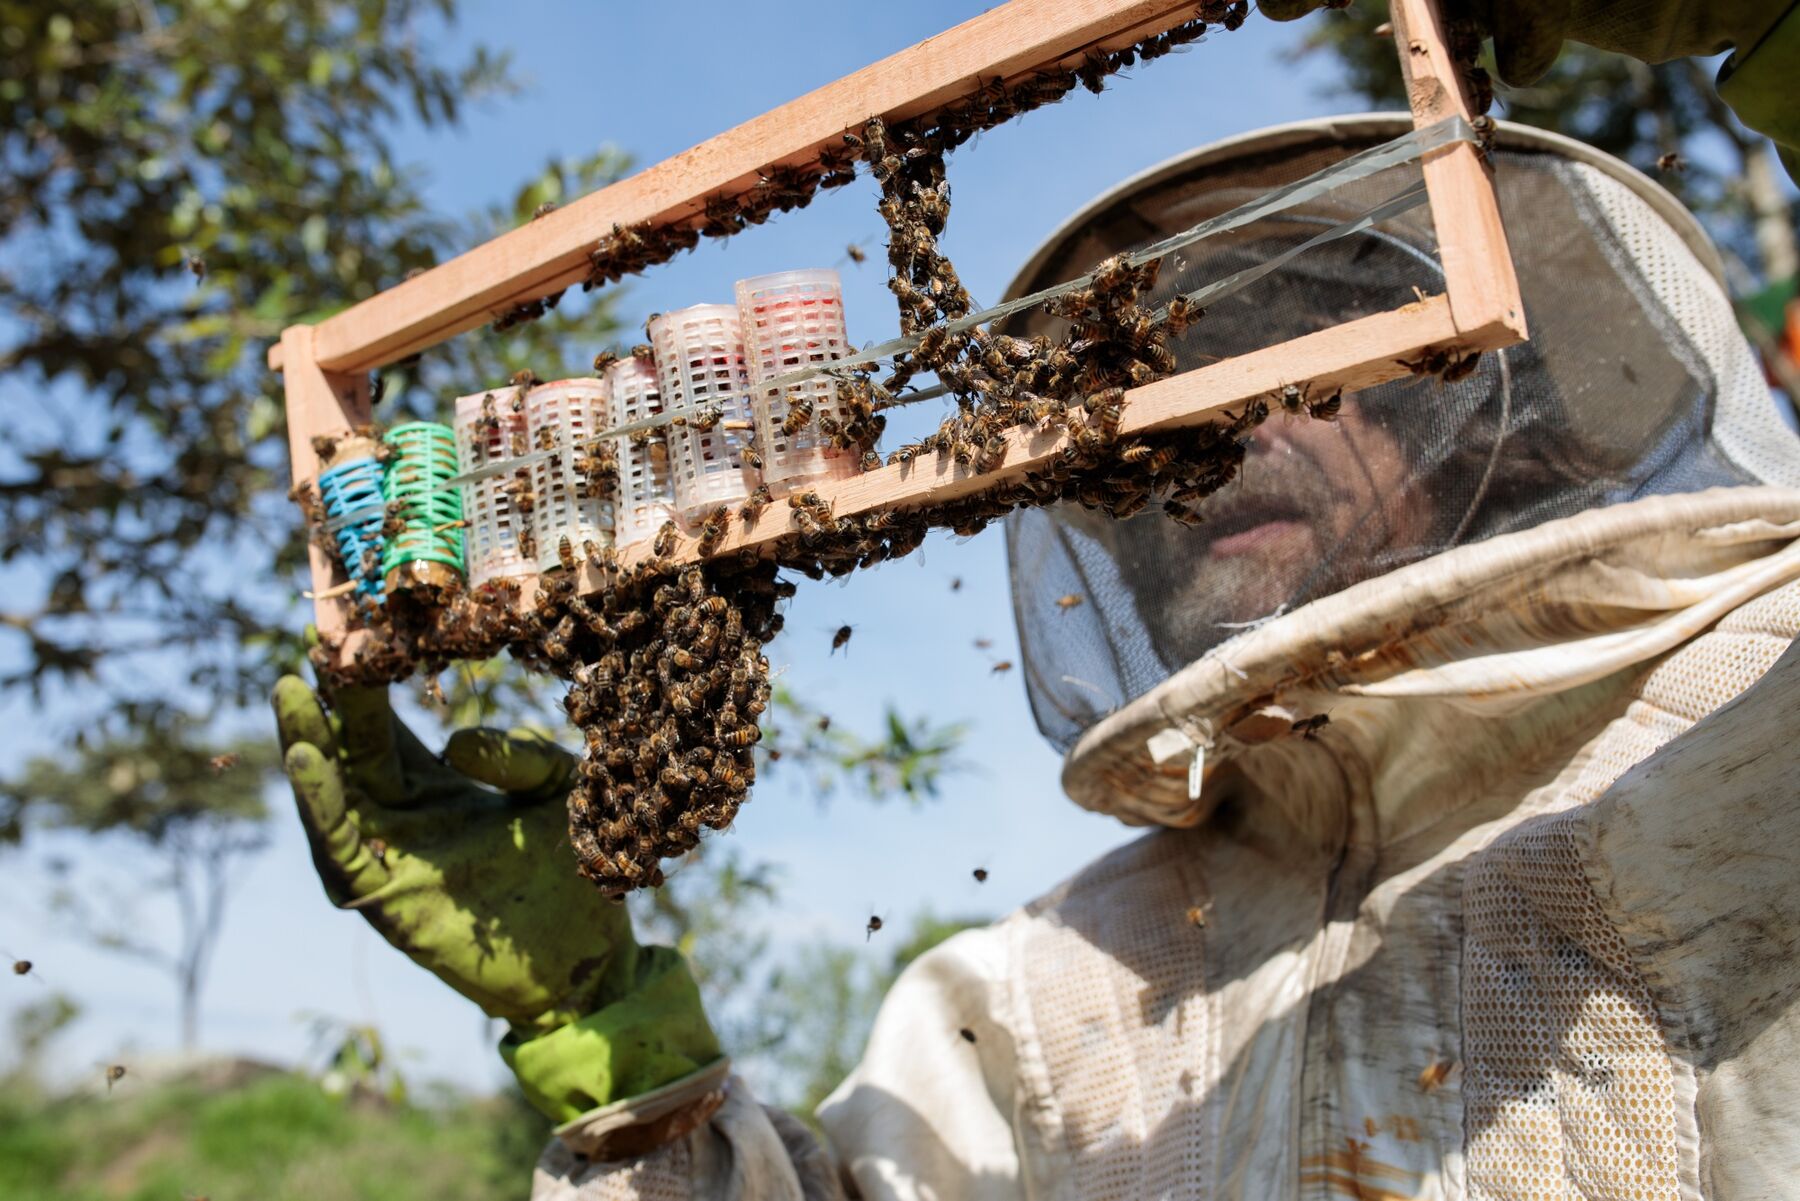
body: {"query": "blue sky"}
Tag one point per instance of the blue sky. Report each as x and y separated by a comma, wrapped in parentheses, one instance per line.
(629, 76)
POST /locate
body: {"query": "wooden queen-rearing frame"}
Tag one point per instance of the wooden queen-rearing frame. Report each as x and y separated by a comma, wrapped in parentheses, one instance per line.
(326, 366)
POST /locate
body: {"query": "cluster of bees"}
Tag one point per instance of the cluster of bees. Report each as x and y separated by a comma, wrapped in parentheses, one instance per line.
(666, 668)
(628, 250)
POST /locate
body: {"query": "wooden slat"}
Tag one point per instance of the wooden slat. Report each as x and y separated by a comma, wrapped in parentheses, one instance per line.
(1358, 354)
(551, 252)
(1478, 269)
(319, 402)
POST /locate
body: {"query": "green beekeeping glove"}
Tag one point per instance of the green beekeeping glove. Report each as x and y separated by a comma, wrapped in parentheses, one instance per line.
(464, 864)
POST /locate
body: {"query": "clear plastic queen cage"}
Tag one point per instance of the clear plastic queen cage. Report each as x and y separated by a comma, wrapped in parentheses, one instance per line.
(699, 363)
(490, 429)
(795, 319)
(646, 481)
(562, 417)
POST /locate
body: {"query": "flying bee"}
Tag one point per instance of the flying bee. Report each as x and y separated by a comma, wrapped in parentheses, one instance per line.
(856, 254)
(980, 874)
(799, 414)
(1001, 667)
(841, 638)
(1309, 727)
(114, 1074)
(956, 583)
(1671, 162)
(197, 267)
(20, 967)
(984, 644)
(1072, 600)
(664, 544)
(873, 928)
(223, 763)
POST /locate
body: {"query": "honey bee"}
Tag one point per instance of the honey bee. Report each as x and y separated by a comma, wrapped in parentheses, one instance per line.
(745, 735)
(643, 352)
(603, 360)
(799, 414)
(1065, 603)
(1292, 398)
(713, 531)
(1433, 1075)
(1326, 408)
(871, 460)
(664, 544)
(1309, 727)
(754, 504)
(840, 639)
(378, 849)
(751, 456)
(966, 1034)
(543, 210)
(1196, 916)
(524, 380)
(1180, 513)
(992, 455)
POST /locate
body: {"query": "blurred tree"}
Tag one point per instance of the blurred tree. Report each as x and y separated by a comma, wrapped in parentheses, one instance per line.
(179, 179)
(1637, 111)
(196, 809)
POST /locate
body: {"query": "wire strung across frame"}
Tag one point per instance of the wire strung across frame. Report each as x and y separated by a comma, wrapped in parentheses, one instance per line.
(1403, 149)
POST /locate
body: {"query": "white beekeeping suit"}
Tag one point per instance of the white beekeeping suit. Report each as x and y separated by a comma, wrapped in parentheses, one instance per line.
(1401, 930)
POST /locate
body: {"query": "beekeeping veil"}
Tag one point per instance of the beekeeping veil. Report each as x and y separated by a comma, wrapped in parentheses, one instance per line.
(1635, 382)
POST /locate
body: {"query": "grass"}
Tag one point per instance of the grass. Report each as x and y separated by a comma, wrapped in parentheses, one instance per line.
(274, 1138)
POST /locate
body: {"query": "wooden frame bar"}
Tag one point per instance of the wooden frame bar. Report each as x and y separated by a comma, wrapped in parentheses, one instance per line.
(325, 366)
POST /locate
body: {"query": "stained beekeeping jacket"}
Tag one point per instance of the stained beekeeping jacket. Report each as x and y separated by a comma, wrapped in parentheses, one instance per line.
(1465, 739)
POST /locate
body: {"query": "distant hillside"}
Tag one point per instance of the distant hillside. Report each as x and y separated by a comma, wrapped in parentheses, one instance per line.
(273, 1137)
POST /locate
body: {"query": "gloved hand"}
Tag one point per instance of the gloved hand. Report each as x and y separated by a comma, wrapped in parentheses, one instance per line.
(481, 888)
(1528, 34)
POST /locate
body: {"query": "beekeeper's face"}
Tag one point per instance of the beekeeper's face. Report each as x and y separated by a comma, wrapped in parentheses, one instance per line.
(1286, 515)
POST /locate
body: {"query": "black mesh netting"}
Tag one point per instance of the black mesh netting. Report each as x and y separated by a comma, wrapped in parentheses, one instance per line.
(1608, 402)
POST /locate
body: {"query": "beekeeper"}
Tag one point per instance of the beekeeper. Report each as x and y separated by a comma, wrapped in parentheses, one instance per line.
(1407, 923)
